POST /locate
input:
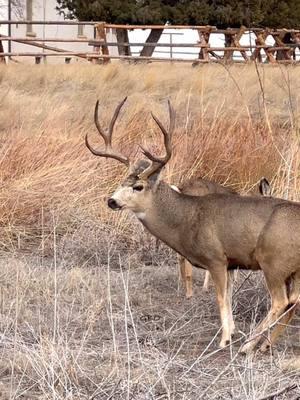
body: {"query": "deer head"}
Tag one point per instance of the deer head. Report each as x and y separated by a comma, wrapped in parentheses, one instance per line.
(136, 191)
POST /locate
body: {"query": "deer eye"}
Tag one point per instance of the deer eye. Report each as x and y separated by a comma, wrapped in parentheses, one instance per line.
(138, 188)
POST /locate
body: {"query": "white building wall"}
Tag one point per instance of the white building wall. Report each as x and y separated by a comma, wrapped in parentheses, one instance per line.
(4, 16)
(44, 10)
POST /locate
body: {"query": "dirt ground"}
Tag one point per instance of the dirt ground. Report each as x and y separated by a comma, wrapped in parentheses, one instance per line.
(115, 326)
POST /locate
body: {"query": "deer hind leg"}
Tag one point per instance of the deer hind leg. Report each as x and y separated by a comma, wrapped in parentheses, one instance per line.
(279, 298)
(230, 281)
(234, 275)
(294, 301)
(186, 271)
(220, 278)
(206, 281)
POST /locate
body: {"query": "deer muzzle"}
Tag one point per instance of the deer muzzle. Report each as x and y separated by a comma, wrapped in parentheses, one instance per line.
(112, 203)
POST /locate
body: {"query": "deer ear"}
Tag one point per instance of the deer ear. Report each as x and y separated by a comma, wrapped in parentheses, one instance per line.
(138, 167)
(154, 179)
(264, 187)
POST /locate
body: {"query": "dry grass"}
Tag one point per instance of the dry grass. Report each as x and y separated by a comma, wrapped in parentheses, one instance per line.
(224, 132)
(89, 308)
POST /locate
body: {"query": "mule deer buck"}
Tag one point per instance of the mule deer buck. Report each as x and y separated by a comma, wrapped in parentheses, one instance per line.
(216, 232)
(201, 187)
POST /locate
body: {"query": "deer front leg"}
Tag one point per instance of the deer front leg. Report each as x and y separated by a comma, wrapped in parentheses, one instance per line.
(220, 278)
(230, 281)
(206, 281)
(186, 271)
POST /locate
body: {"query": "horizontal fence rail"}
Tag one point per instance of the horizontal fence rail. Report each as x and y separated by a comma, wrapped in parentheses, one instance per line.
(23, 22)
(98, 49)
(204, 28)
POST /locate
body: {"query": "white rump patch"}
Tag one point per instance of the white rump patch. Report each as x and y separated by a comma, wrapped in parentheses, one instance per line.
(175, 188)
(141, 215)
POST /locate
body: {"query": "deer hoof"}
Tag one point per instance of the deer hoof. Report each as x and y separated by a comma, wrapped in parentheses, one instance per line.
(265, 346)
(224, 343)
(247, 348)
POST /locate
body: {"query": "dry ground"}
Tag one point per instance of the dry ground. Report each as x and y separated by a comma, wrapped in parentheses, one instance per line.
(90, 309)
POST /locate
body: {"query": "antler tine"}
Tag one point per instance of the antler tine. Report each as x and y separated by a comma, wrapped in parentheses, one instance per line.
(97, 123)
(172, 116)
(107, 137)
(159, 162)
(148, 154)
(115, 117)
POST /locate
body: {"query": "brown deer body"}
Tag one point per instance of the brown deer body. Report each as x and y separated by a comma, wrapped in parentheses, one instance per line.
(197, 187)
(201, 187)
(217, 232)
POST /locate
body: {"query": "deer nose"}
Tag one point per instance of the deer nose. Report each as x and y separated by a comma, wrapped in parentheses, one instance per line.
(112, 203)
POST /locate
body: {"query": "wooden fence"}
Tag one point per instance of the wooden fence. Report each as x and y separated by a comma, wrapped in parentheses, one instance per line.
(284, 48)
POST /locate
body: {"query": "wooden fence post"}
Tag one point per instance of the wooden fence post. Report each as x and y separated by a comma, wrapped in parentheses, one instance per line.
(101, 36)
(2, 59)
(261, 41)
(236, 42)
(229, 42)
(204, 41)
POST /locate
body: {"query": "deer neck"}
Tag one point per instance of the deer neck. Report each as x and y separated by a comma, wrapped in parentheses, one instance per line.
(165, 216)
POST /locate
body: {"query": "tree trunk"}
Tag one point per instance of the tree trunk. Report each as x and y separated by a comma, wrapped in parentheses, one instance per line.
(153, 37)
(122, 37)
(228, 55)
(2, 59)
(282, 54)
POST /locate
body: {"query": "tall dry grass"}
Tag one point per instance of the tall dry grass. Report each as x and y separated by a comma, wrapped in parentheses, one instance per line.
(233, 125)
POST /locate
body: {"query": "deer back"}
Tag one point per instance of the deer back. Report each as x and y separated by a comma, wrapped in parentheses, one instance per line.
(201, 187)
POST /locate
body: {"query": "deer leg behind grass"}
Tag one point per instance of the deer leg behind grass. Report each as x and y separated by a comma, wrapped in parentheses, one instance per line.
(206, 281)
(186, 272)
(294, 301)
(277, 253)
(234, 274)
(280, 301)
(231, 278)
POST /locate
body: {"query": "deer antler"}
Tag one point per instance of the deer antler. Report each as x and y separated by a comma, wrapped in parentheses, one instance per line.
(107, 136)
(156, 162)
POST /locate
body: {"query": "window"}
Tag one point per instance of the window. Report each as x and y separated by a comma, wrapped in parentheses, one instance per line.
(80, 31)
